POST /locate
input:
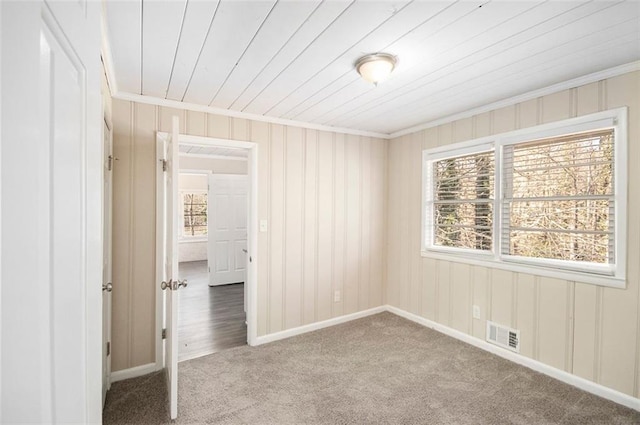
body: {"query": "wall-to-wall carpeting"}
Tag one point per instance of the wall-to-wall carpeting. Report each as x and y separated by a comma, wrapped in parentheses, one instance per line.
(380, 369)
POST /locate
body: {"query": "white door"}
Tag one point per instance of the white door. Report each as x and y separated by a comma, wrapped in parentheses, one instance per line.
(107, 195)
(51, 212)
(171, 283)
(227, 223)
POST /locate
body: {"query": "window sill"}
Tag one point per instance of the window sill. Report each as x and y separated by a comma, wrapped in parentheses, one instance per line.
(575, 276)
(193, 239)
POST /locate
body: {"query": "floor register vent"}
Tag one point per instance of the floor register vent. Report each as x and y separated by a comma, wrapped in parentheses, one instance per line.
(503, 336)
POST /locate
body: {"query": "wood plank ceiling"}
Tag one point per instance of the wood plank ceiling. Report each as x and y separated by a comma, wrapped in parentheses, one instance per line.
(295, 59)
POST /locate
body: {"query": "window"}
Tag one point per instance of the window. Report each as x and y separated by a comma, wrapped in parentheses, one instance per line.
(194, 214)
(548, 200)
(463, 196)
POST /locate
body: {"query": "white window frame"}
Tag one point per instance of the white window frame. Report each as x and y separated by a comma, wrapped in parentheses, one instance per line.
(611, 275)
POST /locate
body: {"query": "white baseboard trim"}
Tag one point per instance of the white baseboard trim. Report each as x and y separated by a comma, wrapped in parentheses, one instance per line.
(276, 336)
(132, 372)
(561, 375)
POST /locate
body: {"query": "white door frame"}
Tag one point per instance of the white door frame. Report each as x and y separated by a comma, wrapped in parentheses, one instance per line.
(107, 222)
(252, 233)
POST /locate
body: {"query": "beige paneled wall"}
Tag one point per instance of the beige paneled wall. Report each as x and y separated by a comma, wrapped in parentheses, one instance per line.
(323, 194)
(590, 331)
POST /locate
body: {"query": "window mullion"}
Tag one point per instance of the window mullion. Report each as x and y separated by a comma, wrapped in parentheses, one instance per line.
(506, 176)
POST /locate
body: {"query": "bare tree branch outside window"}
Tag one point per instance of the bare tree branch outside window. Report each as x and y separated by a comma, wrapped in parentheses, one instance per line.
(195, 214)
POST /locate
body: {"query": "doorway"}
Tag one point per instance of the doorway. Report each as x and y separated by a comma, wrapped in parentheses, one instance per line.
(217, 317)
(212, 250)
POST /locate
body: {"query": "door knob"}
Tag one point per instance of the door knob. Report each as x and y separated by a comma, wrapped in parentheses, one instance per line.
(108, 287)
(245, 251)
(166, 285)
(182, 283)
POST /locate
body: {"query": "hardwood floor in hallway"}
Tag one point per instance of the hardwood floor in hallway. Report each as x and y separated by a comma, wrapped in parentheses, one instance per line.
(210, 319)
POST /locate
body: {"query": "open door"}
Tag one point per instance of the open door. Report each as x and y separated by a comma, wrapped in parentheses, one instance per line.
(171, 282)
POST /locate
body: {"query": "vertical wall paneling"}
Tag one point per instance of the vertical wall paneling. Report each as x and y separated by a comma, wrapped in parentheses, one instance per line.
(503, 119)
(364, 278)
(482, 125)
(353, 231)
(196, 123)
(405, 228)
(143, 228)
(260, 134)
(569, 336)
(479, 282)
(553, 321)
(620, 307)
(122, 178)
(415, 216)
(525, 312)
(378, 223)
(165, 116)
(326, 236)
(429, 284)
(443, 272)
(587, 99)
(528, 114)
(585, 331)
(323, 195)
(218, 126)
(502, 297)
(460, 298)
(591, 331)
(556, 106)
(277, 229)
(132, 229)
(310, 223)
(392, 289)
(340, 228)
(294, 233)
(239, 129)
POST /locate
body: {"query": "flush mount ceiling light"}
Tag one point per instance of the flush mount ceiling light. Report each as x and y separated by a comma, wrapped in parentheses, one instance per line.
(377, 67)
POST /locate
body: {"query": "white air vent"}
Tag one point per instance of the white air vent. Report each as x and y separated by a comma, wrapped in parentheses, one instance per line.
(504, 337)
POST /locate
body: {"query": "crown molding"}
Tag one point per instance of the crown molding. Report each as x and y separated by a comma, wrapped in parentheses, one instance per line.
(244, 115)
(569, 84)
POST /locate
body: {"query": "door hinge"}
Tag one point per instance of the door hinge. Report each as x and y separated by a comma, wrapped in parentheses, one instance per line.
(108, 347)
(110, 163)
(164, 333)
(164, 164)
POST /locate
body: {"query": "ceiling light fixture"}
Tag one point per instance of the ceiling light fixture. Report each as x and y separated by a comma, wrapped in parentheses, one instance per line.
(377, 67)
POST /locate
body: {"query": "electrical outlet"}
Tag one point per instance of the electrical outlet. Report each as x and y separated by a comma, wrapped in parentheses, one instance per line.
(336, 296)
(476, 312)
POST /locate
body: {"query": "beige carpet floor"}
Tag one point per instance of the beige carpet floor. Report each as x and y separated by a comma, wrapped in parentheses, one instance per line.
(380, 369)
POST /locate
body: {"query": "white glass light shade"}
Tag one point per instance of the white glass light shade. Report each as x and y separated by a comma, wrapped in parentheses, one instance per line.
(376, 68)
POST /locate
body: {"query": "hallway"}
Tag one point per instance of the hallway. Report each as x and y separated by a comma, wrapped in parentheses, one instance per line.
(210, 319)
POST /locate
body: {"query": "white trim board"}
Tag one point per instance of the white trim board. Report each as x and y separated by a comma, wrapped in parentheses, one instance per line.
(318, 325)
(133, 372)
(150, 100)
(554, 88)
(560, 375)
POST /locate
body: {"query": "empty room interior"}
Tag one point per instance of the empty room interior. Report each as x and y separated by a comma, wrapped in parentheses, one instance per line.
(320, 211)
